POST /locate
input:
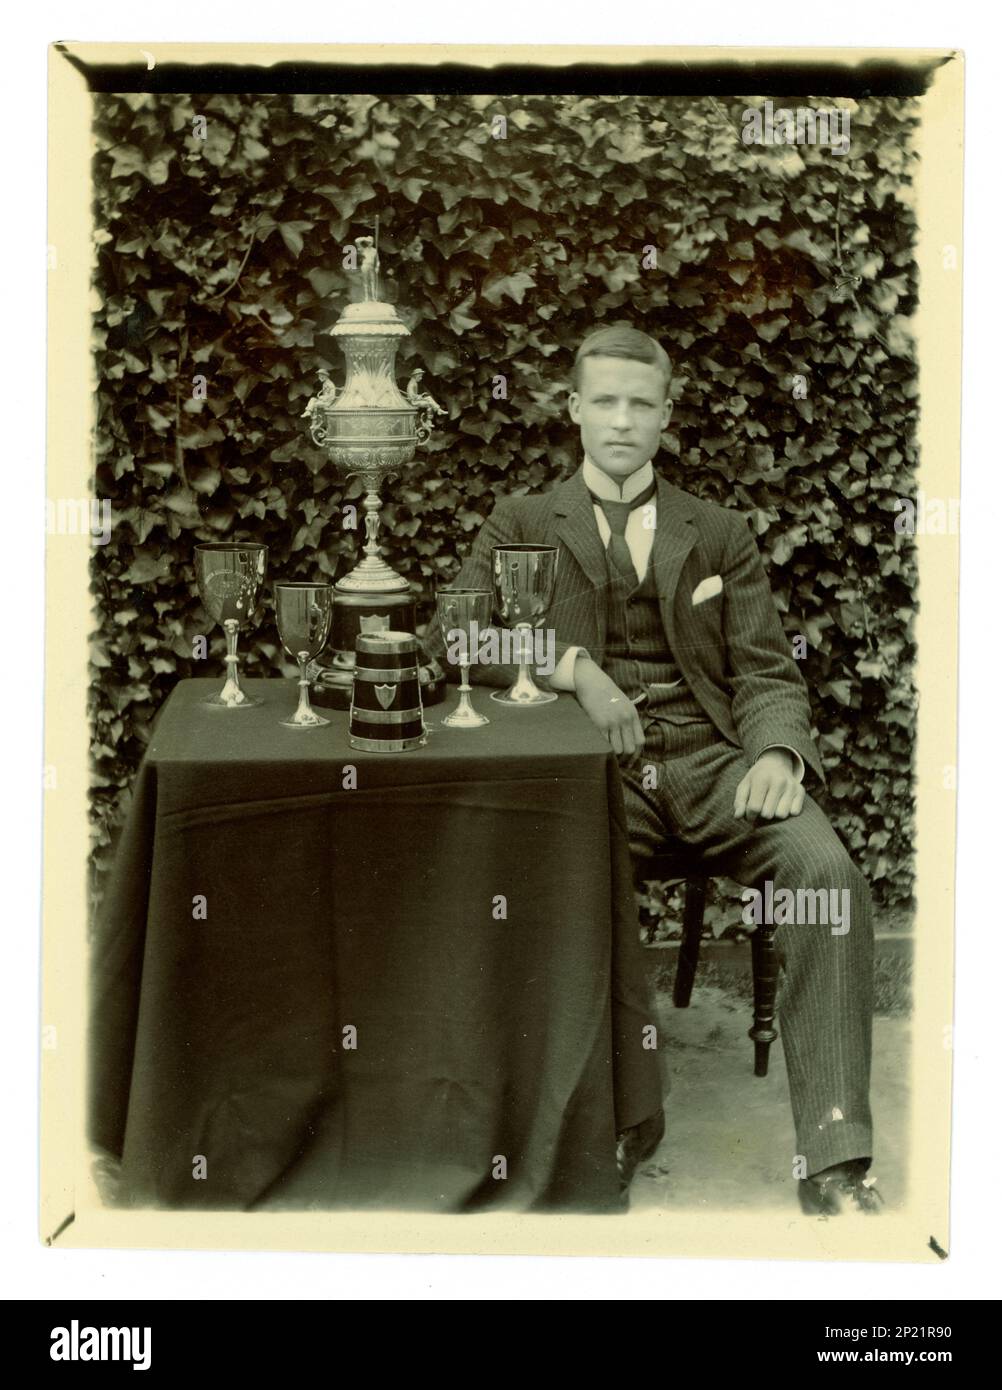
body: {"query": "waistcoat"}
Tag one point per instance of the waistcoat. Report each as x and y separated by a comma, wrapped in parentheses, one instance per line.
(637, 656)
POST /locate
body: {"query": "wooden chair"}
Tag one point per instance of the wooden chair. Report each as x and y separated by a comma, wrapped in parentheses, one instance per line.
(669, 867)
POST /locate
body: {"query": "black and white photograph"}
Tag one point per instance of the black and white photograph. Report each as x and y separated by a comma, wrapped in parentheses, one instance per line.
(511, 516)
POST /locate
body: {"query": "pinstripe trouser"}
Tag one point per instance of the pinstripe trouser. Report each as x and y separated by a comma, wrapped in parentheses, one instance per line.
(826, 1007)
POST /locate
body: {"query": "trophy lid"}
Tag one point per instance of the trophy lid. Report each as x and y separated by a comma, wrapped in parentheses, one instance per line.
(370, 316)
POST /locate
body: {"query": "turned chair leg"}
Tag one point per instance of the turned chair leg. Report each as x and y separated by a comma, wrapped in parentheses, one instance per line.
(765, 976)
(692, 932)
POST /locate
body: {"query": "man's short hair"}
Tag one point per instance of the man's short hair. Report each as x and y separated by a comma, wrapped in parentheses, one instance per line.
(620, 340)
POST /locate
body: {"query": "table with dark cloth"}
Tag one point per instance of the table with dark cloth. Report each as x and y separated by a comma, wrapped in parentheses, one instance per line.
(423, 991)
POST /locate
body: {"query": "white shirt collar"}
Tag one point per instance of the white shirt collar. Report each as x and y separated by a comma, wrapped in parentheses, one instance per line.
(602, 485)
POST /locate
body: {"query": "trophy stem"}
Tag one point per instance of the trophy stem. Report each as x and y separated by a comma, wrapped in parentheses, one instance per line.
(525, 691)
(372, 573)
(464, 716)
(371, 506)
(232, 695)
(304, 717)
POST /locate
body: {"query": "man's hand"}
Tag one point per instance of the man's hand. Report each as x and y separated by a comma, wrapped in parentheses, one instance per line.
(769, 790)
(607, 707)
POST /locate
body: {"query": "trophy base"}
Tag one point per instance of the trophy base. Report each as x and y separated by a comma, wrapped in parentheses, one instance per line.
(356, 612)
(218, 702)
(465, 720)
(315, 722)
(331, 686)
(541, 697)
(378, 578)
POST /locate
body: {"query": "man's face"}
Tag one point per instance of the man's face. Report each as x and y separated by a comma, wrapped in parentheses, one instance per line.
(621, 409)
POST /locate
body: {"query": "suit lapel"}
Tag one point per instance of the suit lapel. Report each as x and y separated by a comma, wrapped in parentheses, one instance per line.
(674, 536)
(577, 529)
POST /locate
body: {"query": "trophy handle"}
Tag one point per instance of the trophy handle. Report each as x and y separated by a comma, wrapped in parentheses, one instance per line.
(425, 424)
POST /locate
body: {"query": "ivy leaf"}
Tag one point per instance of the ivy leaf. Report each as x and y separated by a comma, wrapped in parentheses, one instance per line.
(460, 319)
(512, 286)
(126, 161)
(871, 668)
(292, 235)
(324, 281)
(148, 567)
(789, 542)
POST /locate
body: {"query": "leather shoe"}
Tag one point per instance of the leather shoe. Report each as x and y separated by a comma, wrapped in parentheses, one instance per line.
(840, 1191)
(635, 1144)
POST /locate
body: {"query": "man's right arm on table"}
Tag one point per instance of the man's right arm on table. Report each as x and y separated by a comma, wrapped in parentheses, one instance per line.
(612, 712)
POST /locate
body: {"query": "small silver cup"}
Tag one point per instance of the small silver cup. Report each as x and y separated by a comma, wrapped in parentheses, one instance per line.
(303, 614)
(524, 576)
(460, 611)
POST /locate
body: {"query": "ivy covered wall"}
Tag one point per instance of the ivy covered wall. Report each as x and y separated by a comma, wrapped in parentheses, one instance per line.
(781, 284)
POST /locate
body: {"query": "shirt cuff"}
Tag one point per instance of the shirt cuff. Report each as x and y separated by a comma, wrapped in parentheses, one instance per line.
(799, 768)
(563, 674)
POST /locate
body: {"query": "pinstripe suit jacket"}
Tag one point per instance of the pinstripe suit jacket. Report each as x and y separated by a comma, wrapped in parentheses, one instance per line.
(731, 648)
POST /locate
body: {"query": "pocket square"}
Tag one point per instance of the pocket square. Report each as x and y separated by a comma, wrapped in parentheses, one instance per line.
(707, 588)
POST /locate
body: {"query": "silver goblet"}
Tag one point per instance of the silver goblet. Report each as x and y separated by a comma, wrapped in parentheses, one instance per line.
(524, 576)
(460, 613)
(303, 612)
(229, 574)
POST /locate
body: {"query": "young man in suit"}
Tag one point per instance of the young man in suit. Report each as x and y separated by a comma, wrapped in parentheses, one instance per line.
(667, 634)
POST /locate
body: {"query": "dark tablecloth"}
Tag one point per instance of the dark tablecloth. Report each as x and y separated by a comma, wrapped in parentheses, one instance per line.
(495, 1059)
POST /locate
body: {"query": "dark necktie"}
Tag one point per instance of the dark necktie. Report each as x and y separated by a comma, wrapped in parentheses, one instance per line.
(617, 514)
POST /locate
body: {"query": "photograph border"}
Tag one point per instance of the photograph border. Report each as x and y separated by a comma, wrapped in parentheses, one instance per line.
(71, 1211)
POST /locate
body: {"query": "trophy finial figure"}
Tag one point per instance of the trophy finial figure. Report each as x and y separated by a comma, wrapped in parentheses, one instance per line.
(369, 267)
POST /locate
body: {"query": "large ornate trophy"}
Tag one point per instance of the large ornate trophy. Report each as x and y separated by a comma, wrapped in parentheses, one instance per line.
(369, 428)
